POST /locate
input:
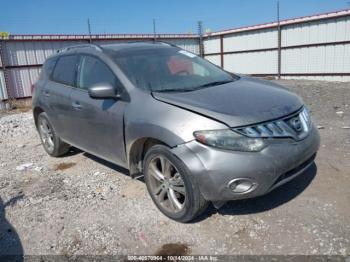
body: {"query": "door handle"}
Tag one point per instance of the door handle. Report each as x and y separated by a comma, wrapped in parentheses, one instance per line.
(76, 105)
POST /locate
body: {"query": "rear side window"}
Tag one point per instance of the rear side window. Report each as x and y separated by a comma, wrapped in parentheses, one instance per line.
(93, 71)
(47, 68)
(65, 70)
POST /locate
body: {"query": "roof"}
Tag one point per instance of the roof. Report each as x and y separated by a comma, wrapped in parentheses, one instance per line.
(134, 45)
(297, 20)
(117, 47)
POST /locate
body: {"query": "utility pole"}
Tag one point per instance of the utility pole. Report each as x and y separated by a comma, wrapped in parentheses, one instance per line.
(154, 29)
(200, 34)
(279, 40)
(89, 28)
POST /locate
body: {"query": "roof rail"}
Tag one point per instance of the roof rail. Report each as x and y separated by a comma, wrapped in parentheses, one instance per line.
(149, 41)
(94, 46)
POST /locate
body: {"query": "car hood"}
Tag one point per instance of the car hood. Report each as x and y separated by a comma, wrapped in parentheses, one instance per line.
(242, 102)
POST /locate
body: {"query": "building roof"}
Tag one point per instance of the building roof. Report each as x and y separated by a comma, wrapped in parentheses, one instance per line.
(297, 20)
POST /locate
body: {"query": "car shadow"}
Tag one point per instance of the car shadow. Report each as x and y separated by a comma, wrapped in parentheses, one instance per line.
(275, 198)
(75, 151)
(72, 152)
(10, 244)
(106, 163)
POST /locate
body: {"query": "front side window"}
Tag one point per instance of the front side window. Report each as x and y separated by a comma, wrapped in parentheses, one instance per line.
(169, 70)
(93, 71)
(65, 70)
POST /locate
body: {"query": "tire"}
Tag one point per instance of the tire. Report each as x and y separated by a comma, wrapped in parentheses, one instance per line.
(181, 207)
(52, 144)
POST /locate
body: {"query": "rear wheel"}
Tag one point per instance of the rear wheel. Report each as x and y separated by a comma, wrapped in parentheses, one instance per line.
(171, 186)
(52, 144)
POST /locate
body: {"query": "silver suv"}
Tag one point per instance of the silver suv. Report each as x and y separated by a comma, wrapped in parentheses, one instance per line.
(197, 133)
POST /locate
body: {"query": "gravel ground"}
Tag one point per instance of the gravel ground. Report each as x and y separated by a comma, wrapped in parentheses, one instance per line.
(79, 204)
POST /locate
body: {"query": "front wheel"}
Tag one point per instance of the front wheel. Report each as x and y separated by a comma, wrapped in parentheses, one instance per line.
(171, 186)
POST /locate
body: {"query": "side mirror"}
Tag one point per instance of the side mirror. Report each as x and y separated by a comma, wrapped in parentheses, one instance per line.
(103, 91)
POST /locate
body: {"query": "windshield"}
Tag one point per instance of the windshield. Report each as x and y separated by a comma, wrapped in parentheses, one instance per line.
(170, 70)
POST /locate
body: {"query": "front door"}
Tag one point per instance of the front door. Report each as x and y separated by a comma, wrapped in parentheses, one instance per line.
(98, 123)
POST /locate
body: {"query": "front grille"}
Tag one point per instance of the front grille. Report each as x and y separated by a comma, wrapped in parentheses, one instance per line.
(295, 126)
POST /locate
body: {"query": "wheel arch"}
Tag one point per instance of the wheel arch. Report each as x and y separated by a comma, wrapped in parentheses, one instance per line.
(36, 112)
(138, 151)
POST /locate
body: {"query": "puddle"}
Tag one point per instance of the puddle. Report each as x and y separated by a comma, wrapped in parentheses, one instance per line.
(63, 166)
(174, 249)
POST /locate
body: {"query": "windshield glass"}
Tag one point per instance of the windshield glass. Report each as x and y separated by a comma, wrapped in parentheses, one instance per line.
(169, 70)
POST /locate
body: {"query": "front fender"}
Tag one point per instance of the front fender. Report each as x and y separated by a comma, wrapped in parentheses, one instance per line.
(147, 117)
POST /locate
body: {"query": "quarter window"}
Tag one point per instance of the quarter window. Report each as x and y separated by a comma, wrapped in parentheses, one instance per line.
(65, 70)
(93, 71)
(47, 68)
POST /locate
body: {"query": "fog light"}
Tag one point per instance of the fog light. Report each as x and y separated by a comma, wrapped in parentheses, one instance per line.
(242, 185)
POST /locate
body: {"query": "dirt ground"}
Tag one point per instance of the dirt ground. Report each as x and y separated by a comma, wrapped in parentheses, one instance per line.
(79, 204)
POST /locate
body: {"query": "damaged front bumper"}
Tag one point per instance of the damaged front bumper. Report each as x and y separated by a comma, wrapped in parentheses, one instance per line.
(218, 172)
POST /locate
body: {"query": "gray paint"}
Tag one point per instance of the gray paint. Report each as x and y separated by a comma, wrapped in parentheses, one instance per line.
(243, 102)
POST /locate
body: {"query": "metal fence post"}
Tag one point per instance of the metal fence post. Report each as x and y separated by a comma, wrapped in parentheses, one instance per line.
(222, 51)
(279, 40)
(200, 34)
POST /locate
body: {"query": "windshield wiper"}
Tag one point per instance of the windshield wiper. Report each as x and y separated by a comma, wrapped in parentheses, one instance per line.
(216, 83)
(175, 90)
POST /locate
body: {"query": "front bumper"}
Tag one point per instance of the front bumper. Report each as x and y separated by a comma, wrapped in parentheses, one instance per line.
(275, 165)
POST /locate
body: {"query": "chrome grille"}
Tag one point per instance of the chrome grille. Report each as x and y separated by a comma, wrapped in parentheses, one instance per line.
(296, 126)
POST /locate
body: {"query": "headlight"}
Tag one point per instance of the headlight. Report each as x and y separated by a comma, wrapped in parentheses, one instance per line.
(230, 140)
(305, 117)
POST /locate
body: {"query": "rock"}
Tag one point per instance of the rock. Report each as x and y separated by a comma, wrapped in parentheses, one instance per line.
(252, 234)
(24, 166)
(320, 127)
(38, 168)
(346, 127)
(340, 113)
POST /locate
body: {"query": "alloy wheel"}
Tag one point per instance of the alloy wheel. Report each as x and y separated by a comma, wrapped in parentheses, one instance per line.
(166, 184)
(46, 134)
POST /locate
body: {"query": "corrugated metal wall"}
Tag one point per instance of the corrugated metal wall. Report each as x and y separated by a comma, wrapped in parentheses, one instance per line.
(212, 44)
(3, 93)
(251, 40)
(22, 79)
(33, 53)
(23, 58)
(322, 31)
(264, 62)
(332, 58)
(315, 47)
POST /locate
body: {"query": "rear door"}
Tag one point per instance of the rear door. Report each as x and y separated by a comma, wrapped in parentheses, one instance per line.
(98, 123)
(57, 93)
